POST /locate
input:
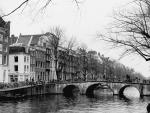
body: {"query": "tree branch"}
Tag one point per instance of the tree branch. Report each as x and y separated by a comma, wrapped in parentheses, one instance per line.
(16, 8)
(26, 1)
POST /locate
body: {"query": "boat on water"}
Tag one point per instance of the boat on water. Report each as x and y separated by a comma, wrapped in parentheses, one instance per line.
(13, 93)
(7, 95)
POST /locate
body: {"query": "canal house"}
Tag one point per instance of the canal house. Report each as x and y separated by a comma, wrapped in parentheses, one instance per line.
(4, 47)
(19, 63)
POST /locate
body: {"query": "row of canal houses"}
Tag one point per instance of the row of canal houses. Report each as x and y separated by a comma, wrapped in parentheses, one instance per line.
(31, 57)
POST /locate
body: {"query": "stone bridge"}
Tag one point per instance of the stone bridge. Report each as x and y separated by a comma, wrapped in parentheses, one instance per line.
(88, 87)
(84, 87)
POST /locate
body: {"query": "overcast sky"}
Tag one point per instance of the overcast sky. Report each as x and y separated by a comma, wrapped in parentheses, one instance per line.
(93, 16)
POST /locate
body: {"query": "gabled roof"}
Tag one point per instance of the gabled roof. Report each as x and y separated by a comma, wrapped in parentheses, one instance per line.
(35, 39)
(31, 40)
(24, 39)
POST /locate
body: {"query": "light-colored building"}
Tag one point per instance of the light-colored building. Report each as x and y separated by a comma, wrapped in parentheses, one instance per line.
(19, 64)
(4, 47)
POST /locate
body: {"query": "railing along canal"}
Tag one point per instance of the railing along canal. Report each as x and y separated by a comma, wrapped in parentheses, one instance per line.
(4, 86)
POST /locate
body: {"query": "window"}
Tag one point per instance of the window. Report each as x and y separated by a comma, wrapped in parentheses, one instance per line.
(16, 58)
(1, 37)
(27, 59)
(44, 44)
(24, 58)
(31, 69)
(5, 48)
(27, 68)
(34, 53)
(36, 64)
(5, 59)
(1, 47)
(4, 75)
(15, 67)
(41, 65)
(1, 58)
(24, 68)
(31, 60)
(43, 76)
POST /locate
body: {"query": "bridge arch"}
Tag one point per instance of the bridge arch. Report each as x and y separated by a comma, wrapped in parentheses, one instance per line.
(70, 90)
(90, 89)
(124, 87)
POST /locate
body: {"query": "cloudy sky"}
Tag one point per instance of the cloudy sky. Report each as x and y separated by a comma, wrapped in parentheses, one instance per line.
(92, 17)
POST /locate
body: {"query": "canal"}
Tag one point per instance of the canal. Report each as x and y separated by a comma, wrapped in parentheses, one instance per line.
(78, 104)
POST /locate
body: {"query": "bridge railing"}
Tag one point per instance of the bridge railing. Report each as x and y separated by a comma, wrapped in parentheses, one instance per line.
(31, 83)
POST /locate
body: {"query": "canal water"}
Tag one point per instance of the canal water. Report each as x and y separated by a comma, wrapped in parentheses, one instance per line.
(78, 104)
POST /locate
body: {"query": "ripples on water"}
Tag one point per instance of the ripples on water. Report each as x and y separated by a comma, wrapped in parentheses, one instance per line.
(80, 104)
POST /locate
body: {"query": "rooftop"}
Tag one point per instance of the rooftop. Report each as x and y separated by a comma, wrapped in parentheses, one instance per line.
(24, 39)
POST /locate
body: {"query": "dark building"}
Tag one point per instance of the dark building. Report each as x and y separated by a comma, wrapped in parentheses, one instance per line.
(69, 65)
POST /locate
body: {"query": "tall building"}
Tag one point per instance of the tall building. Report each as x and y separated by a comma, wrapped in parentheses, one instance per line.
(4, 49)
(42, 66)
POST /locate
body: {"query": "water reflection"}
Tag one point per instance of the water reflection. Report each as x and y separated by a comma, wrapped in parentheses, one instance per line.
(75, 104)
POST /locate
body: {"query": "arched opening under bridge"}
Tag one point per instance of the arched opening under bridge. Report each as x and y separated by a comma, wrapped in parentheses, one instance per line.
(91, 88)
(97, 90)
(71, 90)
(130, 92)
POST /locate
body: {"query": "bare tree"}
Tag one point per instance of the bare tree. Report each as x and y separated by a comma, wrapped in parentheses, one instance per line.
(55, 41)
(83, 62)
(71, 43)
(131, 30)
